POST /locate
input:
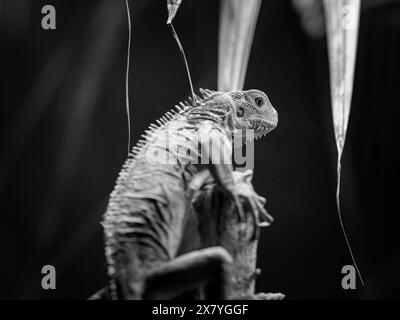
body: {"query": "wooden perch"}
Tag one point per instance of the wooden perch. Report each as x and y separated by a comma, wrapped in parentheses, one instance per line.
(219, 225)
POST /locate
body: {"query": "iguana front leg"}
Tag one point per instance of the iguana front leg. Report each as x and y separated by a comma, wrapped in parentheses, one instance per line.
(216, 149)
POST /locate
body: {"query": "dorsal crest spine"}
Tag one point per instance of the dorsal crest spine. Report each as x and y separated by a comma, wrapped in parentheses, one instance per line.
(179, 110)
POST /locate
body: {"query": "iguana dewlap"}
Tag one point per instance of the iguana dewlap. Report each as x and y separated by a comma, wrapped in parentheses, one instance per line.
(149, 206)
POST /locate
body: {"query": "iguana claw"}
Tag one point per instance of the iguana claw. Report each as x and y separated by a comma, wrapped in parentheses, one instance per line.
(243, 194)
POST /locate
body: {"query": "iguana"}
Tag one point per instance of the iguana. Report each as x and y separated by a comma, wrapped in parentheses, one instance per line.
(149, 207)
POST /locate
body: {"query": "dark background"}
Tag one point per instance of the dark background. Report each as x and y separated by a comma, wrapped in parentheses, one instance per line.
(63, 138)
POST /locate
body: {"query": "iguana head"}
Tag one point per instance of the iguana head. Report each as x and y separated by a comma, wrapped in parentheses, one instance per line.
(253, 110)
(246, 110)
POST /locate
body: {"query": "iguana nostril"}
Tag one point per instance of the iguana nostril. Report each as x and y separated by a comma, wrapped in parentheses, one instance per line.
(240, 112)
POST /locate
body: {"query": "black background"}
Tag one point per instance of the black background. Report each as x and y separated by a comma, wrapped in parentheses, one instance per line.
(63, 138)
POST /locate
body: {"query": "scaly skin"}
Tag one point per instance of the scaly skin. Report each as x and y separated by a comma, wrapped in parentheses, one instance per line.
(149, 207)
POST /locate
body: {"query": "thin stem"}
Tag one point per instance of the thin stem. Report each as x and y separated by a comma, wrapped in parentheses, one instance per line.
(127, 75)
(185, 60)
(339, 169)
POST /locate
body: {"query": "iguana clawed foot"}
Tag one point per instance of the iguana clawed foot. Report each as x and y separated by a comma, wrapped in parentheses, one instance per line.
(244, 195)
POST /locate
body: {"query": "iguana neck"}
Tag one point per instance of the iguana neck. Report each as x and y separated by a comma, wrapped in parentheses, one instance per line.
(221, 117)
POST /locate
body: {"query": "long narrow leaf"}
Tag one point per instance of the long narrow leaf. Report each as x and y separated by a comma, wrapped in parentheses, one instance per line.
(342, 19)
(237, 24)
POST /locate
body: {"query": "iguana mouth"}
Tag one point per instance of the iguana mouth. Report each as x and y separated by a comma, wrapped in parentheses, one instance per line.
(262, 127)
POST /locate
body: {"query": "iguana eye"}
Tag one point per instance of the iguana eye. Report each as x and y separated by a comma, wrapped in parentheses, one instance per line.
(259, 101)
(240, 112)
